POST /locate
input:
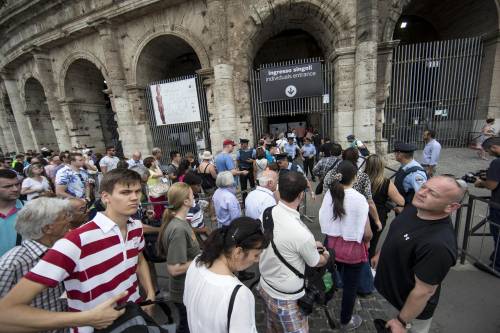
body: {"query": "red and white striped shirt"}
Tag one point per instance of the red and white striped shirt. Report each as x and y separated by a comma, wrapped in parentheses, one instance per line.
(95, 264)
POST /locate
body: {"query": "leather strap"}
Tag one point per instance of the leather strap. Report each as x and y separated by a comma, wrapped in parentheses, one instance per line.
(231, 305)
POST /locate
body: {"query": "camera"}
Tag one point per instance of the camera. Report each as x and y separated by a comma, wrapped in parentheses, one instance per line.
(471, 177)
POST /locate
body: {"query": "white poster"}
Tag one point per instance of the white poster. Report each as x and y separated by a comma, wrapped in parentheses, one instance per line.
(175, 102)
(276, 129)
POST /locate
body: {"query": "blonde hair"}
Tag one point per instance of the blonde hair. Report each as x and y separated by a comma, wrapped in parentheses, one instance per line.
(176, 195)
(375, 170)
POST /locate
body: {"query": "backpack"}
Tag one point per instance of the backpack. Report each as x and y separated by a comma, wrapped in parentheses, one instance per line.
(136, 320)
(151, 251)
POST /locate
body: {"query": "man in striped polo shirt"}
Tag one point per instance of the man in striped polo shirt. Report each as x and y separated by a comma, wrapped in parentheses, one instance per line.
(100, 264)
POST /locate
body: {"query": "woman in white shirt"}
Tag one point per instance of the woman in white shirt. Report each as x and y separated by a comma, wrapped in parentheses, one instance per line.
(35, 183)
(343, 217)
(210, 280)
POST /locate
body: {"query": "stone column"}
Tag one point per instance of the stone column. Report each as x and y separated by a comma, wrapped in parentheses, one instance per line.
(224, 123)
(225, 112)
(384, 78)
(18, 110)
(366, 72)
(8, 137)
(46, 75)
(343, 102)
(137, 104)
(133, 134)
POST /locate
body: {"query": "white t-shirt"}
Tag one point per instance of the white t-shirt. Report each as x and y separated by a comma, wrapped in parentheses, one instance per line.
(207, 296)
(257, 201)
(351, 226)
(33, 184)
(296, 244)
(109, 162)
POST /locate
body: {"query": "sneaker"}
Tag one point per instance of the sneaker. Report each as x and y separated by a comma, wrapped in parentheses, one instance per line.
(355, 323)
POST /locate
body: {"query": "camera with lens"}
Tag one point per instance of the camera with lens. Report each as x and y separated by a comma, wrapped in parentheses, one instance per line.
(471, 177)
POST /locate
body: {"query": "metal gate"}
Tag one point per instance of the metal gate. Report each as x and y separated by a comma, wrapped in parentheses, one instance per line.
(434, 86)
(193, 137)
(321, 105)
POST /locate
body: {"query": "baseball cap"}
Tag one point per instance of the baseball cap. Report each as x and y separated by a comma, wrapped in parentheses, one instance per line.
(228, 142)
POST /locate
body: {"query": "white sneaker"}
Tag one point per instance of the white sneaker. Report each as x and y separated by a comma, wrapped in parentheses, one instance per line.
(355, 323)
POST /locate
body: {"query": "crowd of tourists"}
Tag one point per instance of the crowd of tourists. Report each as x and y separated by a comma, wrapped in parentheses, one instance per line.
(80, 233)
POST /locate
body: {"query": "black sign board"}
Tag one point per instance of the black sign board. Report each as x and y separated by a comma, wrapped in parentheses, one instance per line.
(289, 82)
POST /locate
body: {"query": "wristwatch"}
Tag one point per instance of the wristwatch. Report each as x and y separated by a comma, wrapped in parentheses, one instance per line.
(404, 323)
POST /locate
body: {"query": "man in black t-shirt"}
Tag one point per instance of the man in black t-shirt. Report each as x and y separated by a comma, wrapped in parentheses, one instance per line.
(418, 252)
(492, 146)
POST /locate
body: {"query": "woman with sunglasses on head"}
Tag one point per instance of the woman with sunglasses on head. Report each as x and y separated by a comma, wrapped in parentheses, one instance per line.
(177, 242)
(211, 280)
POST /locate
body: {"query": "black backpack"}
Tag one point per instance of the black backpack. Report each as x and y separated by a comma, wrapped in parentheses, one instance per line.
(135, 320)
(151, 251)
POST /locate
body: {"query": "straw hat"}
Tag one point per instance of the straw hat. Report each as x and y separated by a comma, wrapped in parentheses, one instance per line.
(206, 155)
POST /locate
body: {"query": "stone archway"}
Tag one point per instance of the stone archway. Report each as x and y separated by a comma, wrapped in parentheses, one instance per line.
(38, 115)
(169, 57)
(330, 25)
(87, 107)
(9, 126)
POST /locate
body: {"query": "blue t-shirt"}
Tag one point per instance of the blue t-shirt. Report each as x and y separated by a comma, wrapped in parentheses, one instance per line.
(8, 234)
(224, 162)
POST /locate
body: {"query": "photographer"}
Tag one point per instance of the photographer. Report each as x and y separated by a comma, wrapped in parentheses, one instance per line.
(280, 288)
(492, 146)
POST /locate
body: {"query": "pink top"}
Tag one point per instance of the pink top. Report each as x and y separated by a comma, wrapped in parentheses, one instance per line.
(348, 252)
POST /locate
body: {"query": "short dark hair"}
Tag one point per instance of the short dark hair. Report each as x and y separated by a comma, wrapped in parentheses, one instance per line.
(291, 184)
(173, 153)
(192, 178)
(490, 120)
(431, 132)
(110, 147)
(336, 149)
(19, 156)
(351, 154)
(148, 161)
(119, 176)
(7, 173)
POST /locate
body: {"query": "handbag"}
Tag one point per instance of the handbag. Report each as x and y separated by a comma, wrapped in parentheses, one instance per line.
(319, 187)
(159, 189)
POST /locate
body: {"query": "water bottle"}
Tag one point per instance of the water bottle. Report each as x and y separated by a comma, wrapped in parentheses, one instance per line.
(327, 280)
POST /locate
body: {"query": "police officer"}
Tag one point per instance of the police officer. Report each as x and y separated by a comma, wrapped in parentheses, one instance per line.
(291, 148)
(411, 175)
(244, 158)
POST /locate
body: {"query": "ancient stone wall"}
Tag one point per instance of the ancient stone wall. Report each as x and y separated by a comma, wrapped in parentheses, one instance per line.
(94, 59)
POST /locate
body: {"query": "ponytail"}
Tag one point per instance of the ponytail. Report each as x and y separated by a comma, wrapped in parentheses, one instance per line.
(176, 195)
(338, 194)
(346, 173)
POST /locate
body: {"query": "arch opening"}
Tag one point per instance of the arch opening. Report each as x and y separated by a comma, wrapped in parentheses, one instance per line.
(287, 48)
(12, 125)
(164, 59)
(92, 118)
(39, 116)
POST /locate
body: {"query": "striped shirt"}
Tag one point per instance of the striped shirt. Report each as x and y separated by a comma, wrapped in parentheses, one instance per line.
(95, 264)
(16, 263)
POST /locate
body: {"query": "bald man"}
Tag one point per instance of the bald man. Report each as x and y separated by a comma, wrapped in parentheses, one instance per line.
(135, 160)
(263, 195)
(418, 252)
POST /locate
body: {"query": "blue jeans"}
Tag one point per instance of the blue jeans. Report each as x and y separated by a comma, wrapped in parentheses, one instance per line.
(365, 283)
(351, 276)
(494, 229)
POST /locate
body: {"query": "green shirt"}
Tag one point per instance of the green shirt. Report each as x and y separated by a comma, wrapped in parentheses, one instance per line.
(181, 244)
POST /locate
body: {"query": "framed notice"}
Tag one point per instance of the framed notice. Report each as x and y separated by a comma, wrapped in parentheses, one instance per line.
(175, 102)
(289, 82)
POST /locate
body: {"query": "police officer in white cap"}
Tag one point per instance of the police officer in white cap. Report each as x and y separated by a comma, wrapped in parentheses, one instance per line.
(411, 175)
